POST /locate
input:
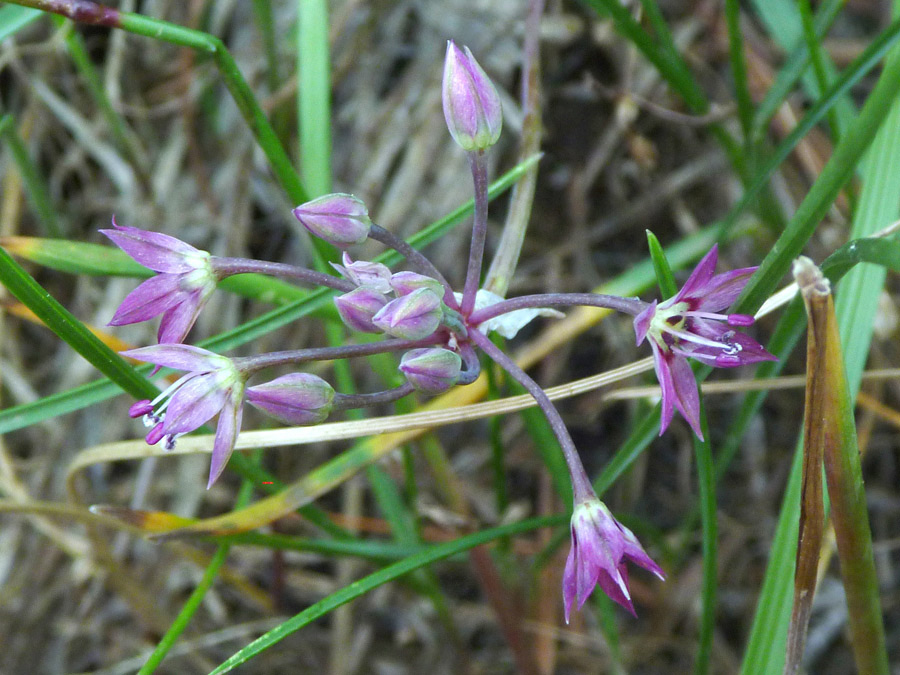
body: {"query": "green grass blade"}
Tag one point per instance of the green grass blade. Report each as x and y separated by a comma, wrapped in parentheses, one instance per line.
(661, 268)
(856, 304)
(707, 493)
(14, 19)
(823, 192)
(69, 329)
(379, 578)
(35, 186)
(314, 95)
(739, 67)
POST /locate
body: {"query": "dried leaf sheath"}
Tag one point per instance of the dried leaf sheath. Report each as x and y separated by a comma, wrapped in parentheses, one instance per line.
(830, 433)
(818, 302)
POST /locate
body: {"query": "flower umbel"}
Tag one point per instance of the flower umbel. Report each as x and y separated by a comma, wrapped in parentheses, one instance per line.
(213, 384)
(690, 324)
(600, 547)
(184, 282)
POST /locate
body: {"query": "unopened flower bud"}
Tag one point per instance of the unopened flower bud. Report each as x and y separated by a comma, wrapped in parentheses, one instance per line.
(431, 370)
(358, 307)
(339, 219)
(372, 275)
(471, 104)
(405, 283)
(298, 398)
(411, 317)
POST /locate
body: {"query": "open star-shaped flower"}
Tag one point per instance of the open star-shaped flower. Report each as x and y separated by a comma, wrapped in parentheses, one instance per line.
(690, 324)
(601, 546)
(185, 279)
(213, 385)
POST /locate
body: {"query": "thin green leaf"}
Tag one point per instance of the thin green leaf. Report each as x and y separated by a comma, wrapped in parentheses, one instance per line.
(664, 278)
(14, 19)
(377, 579)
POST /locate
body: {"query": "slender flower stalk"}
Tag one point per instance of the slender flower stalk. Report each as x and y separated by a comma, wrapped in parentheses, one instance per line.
(415, 258)
(600, 544)
(479, 232)
(631, 306)
(231, 266)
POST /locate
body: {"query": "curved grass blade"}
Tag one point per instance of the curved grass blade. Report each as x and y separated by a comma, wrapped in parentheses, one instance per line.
(379, 578)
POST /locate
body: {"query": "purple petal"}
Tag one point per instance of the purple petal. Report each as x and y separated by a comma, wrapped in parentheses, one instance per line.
(154, 296)
(155, 250)
(177, 356)
(569, 580)
(722, 290)
(664, 375)
(194, 403)
(701, 275)
(616, 587)
(636, 553)
(642, 322)
(177, 321)
(687, 397)
(226, 436)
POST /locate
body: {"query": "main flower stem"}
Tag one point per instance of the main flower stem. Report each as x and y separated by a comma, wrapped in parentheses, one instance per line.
(581, 484)
(631, 306)
(415, 258)
(253, 364)
(230, 266)
(479, 231)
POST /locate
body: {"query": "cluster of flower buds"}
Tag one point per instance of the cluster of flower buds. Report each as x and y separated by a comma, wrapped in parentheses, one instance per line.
(435, 331)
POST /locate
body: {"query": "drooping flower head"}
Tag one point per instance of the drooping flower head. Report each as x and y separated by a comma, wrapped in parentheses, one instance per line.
(184, 282)
(691, 324)
(601, 545)
(213, 384)
(471, 104)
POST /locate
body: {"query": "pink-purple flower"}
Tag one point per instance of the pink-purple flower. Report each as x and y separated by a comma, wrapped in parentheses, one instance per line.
(296, 398)
(184, 282)
(471, 104)
(213, 385)
(601, 546)
(691, 324)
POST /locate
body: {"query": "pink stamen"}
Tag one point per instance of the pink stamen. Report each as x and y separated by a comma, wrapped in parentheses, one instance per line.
(140, 409)
(155, 435)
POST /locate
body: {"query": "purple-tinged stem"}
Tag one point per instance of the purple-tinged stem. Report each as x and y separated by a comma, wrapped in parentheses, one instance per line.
(631, 306)
(348, 401)
(226, 267)
(479, 231)
(415, 258)
(252, 364)
(581, 484)
(471, 362)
